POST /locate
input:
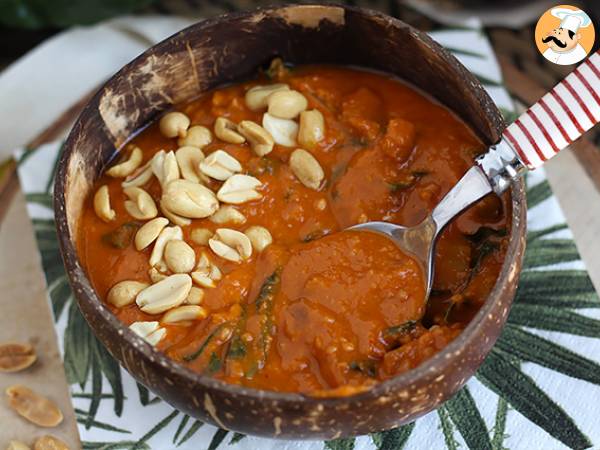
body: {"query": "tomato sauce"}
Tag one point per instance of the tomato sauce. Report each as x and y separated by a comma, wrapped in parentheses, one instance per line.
(321, 311)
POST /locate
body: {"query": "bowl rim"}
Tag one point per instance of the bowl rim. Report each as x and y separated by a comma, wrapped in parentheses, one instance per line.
(82, 285)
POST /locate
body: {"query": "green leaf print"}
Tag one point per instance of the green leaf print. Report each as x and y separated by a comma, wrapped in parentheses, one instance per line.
(77, 347)
(83, 418)
(533, 235)
(119, 445)
(96, 388)
(40, 198)
(237, 437)
(154, 430)
(340, 444)
(112, 371)
(554, 319)
(394, 439)
(529, 347)
(217, 438)
(546, 252)
(447, 429)
(521, 392)
(191, 432)
(538, 193)
(500, 425)
(557, 289)
(180, 428)
(467, 419)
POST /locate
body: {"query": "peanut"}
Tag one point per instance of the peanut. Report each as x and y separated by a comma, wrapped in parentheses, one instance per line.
(307, 169)
(165, 294)
(124, 292)
(179, 256)
(15, 356)
(259, 139)
(284, 131)
(226, 130)
(286, 104)
(127, 167)
(33, 407)
(197, 136)
(102, 204)
(174, 124)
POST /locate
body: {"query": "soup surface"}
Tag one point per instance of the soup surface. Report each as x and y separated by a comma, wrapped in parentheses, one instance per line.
(219, 241)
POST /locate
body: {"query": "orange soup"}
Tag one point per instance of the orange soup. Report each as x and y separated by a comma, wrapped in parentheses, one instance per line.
(217, 234)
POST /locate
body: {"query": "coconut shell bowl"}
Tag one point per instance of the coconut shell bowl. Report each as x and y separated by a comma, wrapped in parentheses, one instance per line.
(231, 48)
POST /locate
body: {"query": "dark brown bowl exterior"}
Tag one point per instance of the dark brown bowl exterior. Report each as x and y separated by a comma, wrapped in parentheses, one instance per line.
(231, 48)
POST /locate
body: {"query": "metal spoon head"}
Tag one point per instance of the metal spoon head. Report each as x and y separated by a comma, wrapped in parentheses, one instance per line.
(417, 242)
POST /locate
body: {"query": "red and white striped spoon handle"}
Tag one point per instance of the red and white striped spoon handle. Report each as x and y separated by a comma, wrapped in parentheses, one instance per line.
(559, 117)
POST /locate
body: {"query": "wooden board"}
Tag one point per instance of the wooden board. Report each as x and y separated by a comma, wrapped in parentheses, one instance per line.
(26, 317)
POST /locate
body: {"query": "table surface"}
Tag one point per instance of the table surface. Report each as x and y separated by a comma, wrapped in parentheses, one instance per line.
(27, 317)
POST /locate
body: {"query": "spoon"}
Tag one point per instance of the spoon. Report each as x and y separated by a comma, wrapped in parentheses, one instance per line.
(557, 119)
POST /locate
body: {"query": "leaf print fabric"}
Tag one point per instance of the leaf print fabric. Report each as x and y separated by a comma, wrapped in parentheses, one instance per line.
(539, 388)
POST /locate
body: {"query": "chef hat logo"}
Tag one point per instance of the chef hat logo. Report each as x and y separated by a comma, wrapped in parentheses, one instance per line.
(571, 19)
(565, 35)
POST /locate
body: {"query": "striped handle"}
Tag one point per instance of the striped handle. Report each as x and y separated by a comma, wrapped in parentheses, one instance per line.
(559, 117)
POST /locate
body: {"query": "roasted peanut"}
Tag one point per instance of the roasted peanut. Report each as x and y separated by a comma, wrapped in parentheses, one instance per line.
(165, 168)
(231, 245)
(312, 128)
(228, 214)
(206, 272)
(226, 130)
(102, 204)
(197, 136)
(165, 294)
(239, 189)
(307, 169)
(166, 235)
(283, 131)
(184, 313)
(49, 443)
(124, 292)
(174, 124)
(15, 356)
(155, 275)
(151, 332)
(286, 104)
(148, 232)
(179, 256)
(189, 159)
(195, 296)
(259, 237)
(257, 96)
(140, 177)
(201, 235)
(259, 139)
(140, 205)
(220, 165)
(127, 167)
(175, 218)
(188, 199)
(33, 407)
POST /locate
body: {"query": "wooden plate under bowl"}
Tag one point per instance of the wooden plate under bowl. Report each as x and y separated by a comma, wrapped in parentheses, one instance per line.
(230, 48)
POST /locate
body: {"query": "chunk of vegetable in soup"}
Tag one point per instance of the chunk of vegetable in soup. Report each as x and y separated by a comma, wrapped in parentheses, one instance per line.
(223, 247)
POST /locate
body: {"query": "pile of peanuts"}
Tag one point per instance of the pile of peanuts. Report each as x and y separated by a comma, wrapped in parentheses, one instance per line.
(16, 357)
(178, 276)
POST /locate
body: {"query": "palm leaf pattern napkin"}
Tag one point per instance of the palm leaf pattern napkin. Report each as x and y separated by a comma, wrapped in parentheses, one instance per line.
(538, 389)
